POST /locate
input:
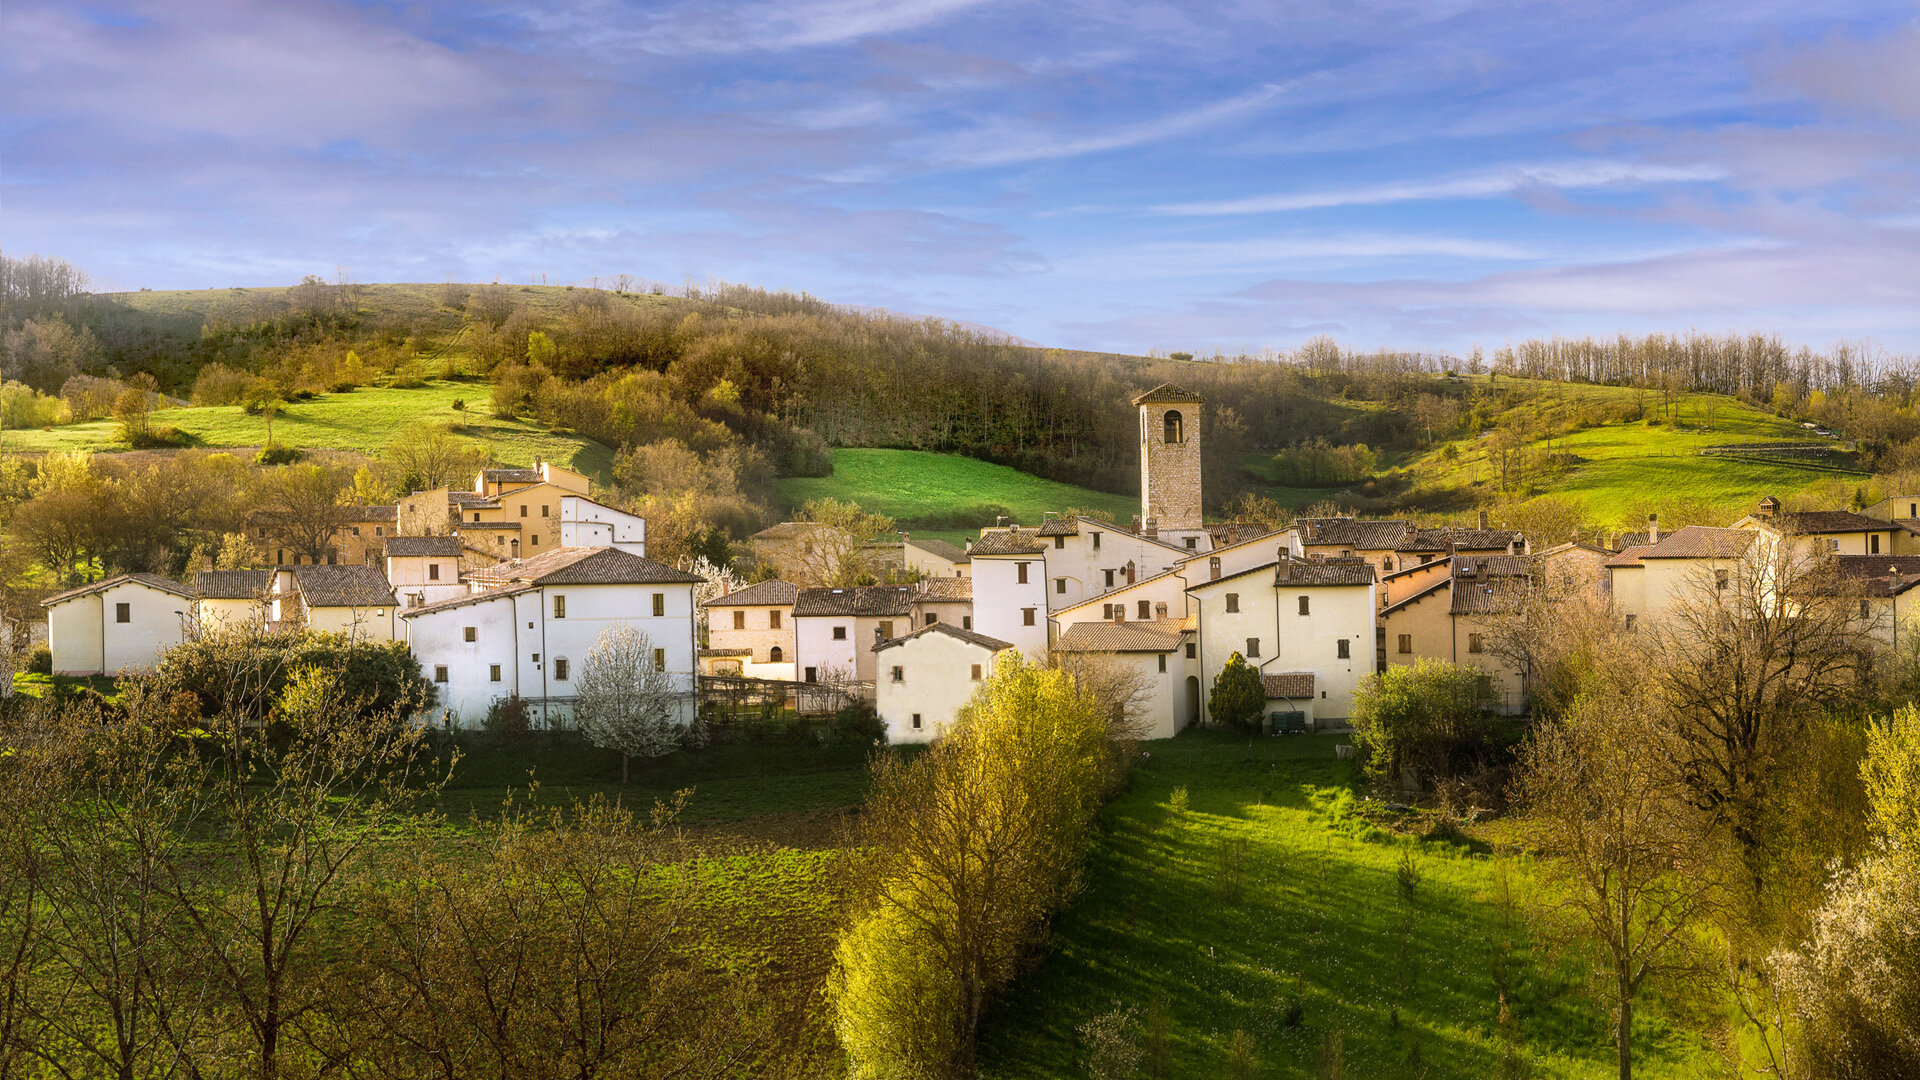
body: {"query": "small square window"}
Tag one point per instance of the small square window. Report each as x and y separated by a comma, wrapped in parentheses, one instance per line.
(812, 675)
(1233, 601)
(534, 540)
(1106, 611)
(1109, 574)
(1305, 606)
(773, 620)
(1343, 649)
(543, 509)
(1406, 644)
(1163, 663)
(1022, 568)
(1192, 650)
(493, 672)
(470, 633)
(1026, 616)
(1059, 542)
(839, 633)
(932, 617)
(976, 673)
(660, 659)
(523, 509)
(123, 613)
(1146, 609)
(1193, 543)
(916, 721)
(966, 622)
(439, 673)
(1253, 647)
(559, 607)
(1476, 643)
(1060, 585)
(433, 571)
(1096, 541)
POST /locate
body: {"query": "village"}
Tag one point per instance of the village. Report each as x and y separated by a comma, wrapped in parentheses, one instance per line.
(502, 590)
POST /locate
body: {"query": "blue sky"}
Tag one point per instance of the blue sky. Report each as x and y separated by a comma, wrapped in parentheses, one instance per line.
(1127, 176)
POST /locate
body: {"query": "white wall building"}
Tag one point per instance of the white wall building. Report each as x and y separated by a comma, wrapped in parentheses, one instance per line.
(121, 624)
(1010, 589)
(585, 523)
(835, 629)
(232, 599)
(926, 676)
(1155, 656)
(424, 569)
(1293, 618)
(532, 624)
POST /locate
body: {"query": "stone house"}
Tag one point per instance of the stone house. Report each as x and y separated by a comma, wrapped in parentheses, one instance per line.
(751, 632)
(1455, 618)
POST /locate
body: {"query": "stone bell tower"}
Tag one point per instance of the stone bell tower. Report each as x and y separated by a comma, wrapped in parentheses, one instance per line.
(1170, 457)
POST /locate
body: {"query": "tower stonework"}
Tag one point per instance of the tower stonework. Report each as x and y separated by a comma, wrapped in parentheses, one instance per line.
(1170, 457)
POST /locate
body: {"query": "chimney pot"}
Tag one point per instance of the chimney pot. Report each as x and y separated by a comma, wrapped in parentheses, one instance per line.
(1160, 610)
(1483, 519)
(1653, 528)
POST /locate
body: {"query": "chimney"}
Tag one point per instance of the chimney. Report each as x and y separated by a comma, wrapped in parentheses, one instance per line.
(1153, 529)
(1213, 568)
(1119, 613)
(1769, 506)
(1136, 525)
(1483, 519)
(1653, 528)
(1160, 610)
(879, 636)
(969, 543)
(1129, 571)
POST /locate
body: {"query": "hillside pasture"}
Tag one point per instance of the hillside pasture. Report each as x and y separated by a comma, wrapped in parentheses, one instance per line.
(1270, 919)
(932, 494)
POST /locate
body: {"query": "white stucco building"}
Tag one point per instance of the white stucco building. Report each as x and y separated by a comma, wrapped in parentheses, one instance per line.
(1295, 618)
(121, 624)
(925, 677)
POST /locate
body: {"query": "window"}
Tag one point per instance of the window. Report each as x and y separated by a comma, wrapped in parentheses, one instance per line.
(976, 673)
(354, 529)
(886, 630)
(493, 672)
(1873, 544)
(1026, 616)
(1023, 572)
(1170, 428)
(123, 613)
(1476, 643)
(439, 673)
(1060, 585)
(1106, 612)
(1059, 542)
(534, 540)
(1425, 559)
(1193, 543)
(899, 673)
(739, 619)
(1406, 644)
(470, 633)
(1163, 663)
(1192, 650)
(1233, 601)
(1253, 647)
(659, 603)
(966, 622)
(559, 607)
(1630, 619)
(476, 516)
(776, 654)
(1146, 609)
(1096, 541)
(659, 659)
(1109, 574)
(560, 669)
(916, 721)
(543, 509)
(1833, 544)
(812, 675)
(773, 619)
(839, 633)
(932, 617)
(523, 509)
(1343, 649)
(1719, 581)
(1863, 609)
(379, 530)
(1304, 608)
(433, 571)
(1386, 563)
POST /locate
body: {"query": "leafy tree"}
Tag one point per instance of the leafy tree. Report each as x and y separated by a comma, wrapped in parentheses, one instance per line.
(244, 671)
(1238, 695)
(624, 701)
(1424, 722)
(301, 509)
(133, 409)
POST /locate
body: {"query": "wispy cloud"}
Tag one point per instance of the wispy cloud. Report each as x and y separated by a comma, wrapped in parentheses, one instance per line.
(1008, 143)
(1484, 184)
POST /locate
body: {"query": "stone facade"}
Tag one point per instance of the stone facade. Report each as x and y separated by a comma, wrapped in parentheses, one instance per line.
(1170, 458)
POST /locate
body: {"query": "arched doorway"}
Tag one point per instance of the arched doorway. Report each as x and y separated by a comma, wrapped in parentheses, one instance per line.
(1193, 700)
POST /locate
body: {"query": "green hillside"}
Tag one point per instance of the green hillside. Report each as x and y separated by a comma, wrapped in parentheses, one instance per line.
(945, 496)
(365, 420)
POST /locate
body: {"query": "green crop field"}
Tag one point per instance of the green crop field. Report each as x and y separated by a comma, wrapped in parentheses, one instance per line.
(365, 420)
(1269, 890)
(937, 494)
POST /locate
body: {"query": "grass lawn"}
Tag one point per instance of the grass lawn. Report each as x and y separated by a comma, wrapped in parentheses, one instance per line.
(365, 420)
(1269, 888)
(915, 485)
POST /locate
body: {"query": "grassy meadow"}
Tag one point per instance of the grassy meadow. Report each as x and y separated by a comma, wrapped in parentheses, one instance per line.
(931, 494)
(1269, 920)
(365, 421)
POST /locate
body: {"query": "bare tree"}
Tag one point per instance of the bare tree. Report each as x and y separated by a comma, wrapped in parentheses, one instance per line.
(1632, 849)
(300, 507)
(625, 701)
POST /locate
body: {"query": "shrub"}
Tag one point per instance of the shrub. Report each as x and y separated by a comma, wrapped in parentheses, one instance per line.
(1112, 1045)
(40, 660)
(276, 454)
(1238, 695)
(508, 718)
(1432, 721)
(459, 404)
(251, 672)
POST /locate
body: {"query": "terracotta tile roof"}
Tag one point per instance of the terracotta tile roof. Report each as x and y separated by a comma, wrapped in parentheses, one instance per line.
(1879, 575)
(944, 589)
(1064, 525)
(1414, 568)
(485, 597)
(584, 566)
(1489, 596)
(1702, 542)
(786, 530)
(774, 593)
(726, 652)
(471, 498)
(1824, 521)
(1353, 532)
(1297, 572)
(989, 643)
(404, 547)
(1483, 566)
(940, 549)
(1014, 541)
(1623, 541)
(513, 476)
(1630, 557)
(1233, 533)
(342, 586)
(232, 584)
(153, 581)
(1288, 685)
(1152, 636)
(1167, 393)
(1462, 539)
(486, 526)
(872, 600)
(371, 513)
